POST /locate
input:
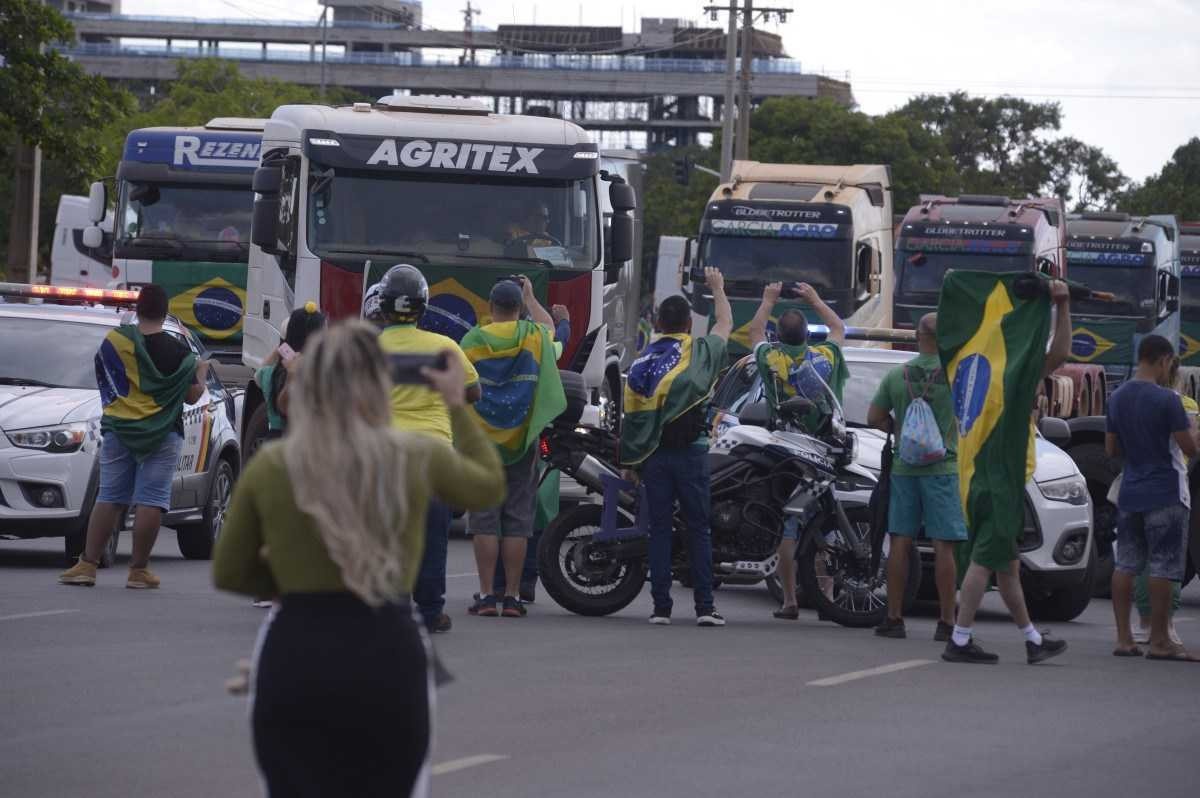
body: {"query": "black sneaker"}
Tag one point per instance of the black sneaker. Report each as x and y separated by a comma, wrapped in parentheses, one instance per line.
(709, 617)
(970, 653)
(891, 627)
(944, 632)
(1049, 648)
(513, 608)
(439, 623)
(529, 592)
(660, 617)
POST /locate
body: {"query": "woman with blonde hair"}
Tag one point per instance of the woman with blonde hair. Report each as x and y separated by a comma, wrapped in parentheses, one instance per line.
(331, 519)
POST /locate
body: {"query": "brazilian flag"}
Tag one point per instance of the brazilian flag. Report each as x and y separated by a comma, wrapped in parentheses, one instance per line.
(671, 376)
(992, 344)
(209, 298)
(522, 390)
(140, 405)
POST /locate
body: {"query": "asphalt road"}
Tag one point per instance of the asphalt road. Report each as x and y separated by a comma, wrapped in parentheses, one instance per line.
(113, 692)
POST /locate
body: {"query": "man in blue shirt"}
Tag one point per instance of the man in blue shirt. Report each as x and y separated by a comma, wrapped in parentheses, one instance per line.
(1146, 422)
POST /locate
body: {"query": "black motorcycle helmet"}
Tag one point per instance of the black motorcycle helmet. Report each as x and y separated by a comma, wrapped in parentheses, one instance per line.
(403, 294)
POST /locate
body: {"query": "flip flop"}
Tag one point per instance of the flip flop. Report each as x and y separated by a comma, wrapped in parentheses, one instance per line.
(787, 613)
(1128, 652)
(1178, 655)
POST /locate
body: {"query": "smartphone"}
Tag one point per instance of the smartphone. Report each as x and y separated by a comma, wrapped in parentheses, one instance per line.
(406, 368)
(286, 353)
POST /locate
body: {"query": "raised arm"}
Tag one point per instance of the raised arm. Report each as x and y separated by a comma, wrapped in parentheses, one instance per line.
(837, 327)
(758, 324)
(723, 327)
(1060, 346)
(536, 312)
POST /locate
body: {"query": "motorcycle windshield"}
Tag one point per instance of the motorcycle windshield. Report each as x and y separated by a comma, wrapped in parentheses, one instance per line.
(820, 413)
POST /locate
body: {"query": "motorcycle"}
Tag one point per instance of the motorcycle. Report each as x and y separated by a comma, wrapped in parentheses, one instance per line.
(593, 558)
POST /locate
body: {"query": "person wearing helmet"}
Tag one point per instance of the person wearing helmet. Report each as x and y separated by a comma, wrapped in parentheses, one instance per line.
(403, 296)
(371, 309)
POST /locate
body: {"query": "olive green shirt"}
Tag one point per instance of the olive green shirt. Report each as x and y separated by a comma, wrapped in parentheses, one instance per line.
(894, 396)
(263, 513)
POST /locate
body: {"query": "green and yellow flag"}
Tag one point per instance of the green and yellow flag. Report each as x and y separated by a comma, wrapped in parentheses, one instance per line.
(140, 405)
(522, 390)
(671, 376)
(993, 349)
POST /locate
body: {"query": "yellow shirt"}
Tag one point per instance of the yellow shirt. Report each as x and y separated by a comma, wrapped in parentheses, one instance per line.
(419, 408)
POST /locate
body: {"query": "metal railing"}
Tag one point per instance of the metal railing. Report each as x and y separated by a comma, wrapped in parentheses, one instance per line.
(282, 23)
(415, 59)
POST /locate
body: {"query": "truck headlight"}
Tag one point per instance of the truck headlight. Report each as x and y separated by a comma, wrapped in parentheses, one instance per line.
(61, 439)
(1072, 490)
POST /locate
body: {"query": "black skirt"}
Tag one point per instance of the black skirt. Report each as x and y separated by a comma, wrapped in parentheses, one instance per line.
(342, 700)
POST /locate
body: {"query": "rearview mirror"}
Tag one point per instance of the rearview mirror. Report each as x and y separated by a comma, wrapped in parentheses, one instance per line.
(93, 237)
(620, 240)
(622, 197)
(97, 203)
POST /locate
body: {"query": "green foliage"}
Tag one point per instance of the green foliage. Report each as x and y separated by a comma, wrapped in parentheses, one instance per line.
(670, 209)
(1175, 189)
(203, 90)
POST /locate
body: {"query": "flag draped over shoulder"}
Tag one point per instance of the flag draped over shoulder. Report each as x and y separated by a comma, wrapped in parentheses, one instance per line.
(522, 390)
(140, 405)
(993, 348)
(671, 376)
(784, 361)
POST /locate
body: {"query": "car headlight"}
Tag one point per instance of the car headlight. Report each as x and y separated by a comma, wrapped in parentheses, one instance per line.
(61, 439)
(1072, 490)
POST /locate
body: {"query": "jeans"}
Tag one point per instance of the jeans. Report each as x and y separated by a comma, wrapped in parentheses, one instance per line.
(1141, 595)
(681, 475)
(430, 592)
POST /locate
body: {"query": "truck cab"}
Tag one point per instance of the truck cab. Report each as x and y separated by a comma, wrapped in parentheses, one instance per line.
(1135, 258)
(465, 195)
(829, 226)
(1189, 306)
(73, 263)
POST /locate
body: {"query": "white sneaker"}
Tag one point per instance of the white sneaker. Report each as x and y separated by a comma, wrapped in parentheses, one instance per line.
(710, 618)
(1174, 635)
(1141, 635)
(660, 620)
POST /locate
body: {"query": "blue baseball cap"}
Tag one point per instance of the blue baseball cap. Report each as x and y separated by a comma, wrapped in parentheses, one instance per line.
(507, 294)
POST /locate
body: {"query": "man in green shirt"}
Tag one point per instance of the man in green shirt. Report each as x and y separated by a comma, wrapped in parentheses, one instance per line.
(921, 495)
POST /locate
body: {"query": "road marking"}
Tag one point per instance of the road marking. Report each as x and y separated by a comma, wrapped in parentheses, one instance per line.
(41, 614)
(455, 765)
(831, 681)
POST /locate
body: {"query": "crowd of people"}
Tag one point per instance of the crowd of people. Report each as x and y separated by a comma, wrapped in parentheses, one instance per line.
(385, 430)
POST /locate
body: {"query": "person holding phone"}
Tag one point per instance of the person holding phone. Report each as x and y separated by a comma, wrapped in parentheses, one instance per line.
(418, 407)
(332, 520)
(272, 377)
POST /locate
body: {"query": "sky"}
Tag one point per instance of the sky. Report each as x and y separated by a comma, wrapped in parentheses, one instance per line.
(1126, 73)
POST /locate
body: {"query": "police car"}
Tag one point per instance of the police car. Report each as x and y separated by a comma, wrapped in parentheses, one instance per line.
(1055, 547)
(50, 423)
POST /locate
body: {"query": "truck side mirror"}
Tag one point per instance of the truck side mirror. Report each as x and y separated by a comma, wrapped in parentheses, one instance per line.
(622, 198)
(97, 202)
(272, 225)
(93, 237)
(620, 240)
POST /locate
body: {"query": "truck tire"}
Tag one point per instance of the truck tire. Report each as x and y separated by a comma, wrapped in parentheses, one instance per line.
(1065, 603)
(1099, 470)
(577, 397)
(1085, 398)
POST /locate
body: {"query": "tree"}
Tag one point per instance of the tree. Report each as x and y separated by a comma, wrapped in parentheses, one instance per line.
(1002, 145)
(1175, 189)
(49, 102)
(205, 89)
(669, 209)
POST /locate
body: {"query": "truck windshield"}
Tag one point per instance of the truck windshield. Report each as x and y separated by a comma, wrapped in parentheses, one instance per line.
(1132, 287)
(923, 272)
(555, 222)
(185, 222)
(823, 263)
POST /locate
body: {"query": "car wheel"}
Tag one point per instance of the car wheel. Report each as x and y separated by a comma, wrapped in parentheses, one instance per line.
(196, 541)
(74, 542)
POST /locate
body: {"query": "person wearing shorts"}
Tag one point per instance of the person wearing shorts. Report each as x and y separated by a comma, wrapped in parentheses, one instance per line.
(1146, 423)
(139, 451)
(921, 497)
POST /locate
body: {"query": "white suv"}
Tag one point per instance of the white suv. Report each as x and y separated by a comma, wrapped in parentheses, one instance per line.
(1055, 547)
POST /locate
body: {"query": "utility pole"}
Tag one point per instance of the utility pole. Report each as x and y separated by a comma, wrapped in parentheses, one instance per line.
(469, 14)
(324, 43)
(23, 220)
(742, 136)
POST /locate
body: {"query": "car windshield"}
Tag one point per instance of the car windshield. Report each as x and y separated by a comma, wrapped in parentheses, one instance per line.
(553, 221)
(923, 272)
(822, 263)
(1133, 289)
(49, 352)
(190, 221)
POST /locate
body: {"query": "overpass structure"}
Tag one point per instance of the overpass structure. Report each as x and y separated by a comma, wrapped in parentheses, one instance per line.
(662, 81)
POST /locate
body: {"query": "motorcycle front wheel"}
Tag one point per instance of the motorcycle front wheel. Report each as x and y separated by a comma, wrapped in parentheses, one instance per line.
(836, 575)
(583, 577)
